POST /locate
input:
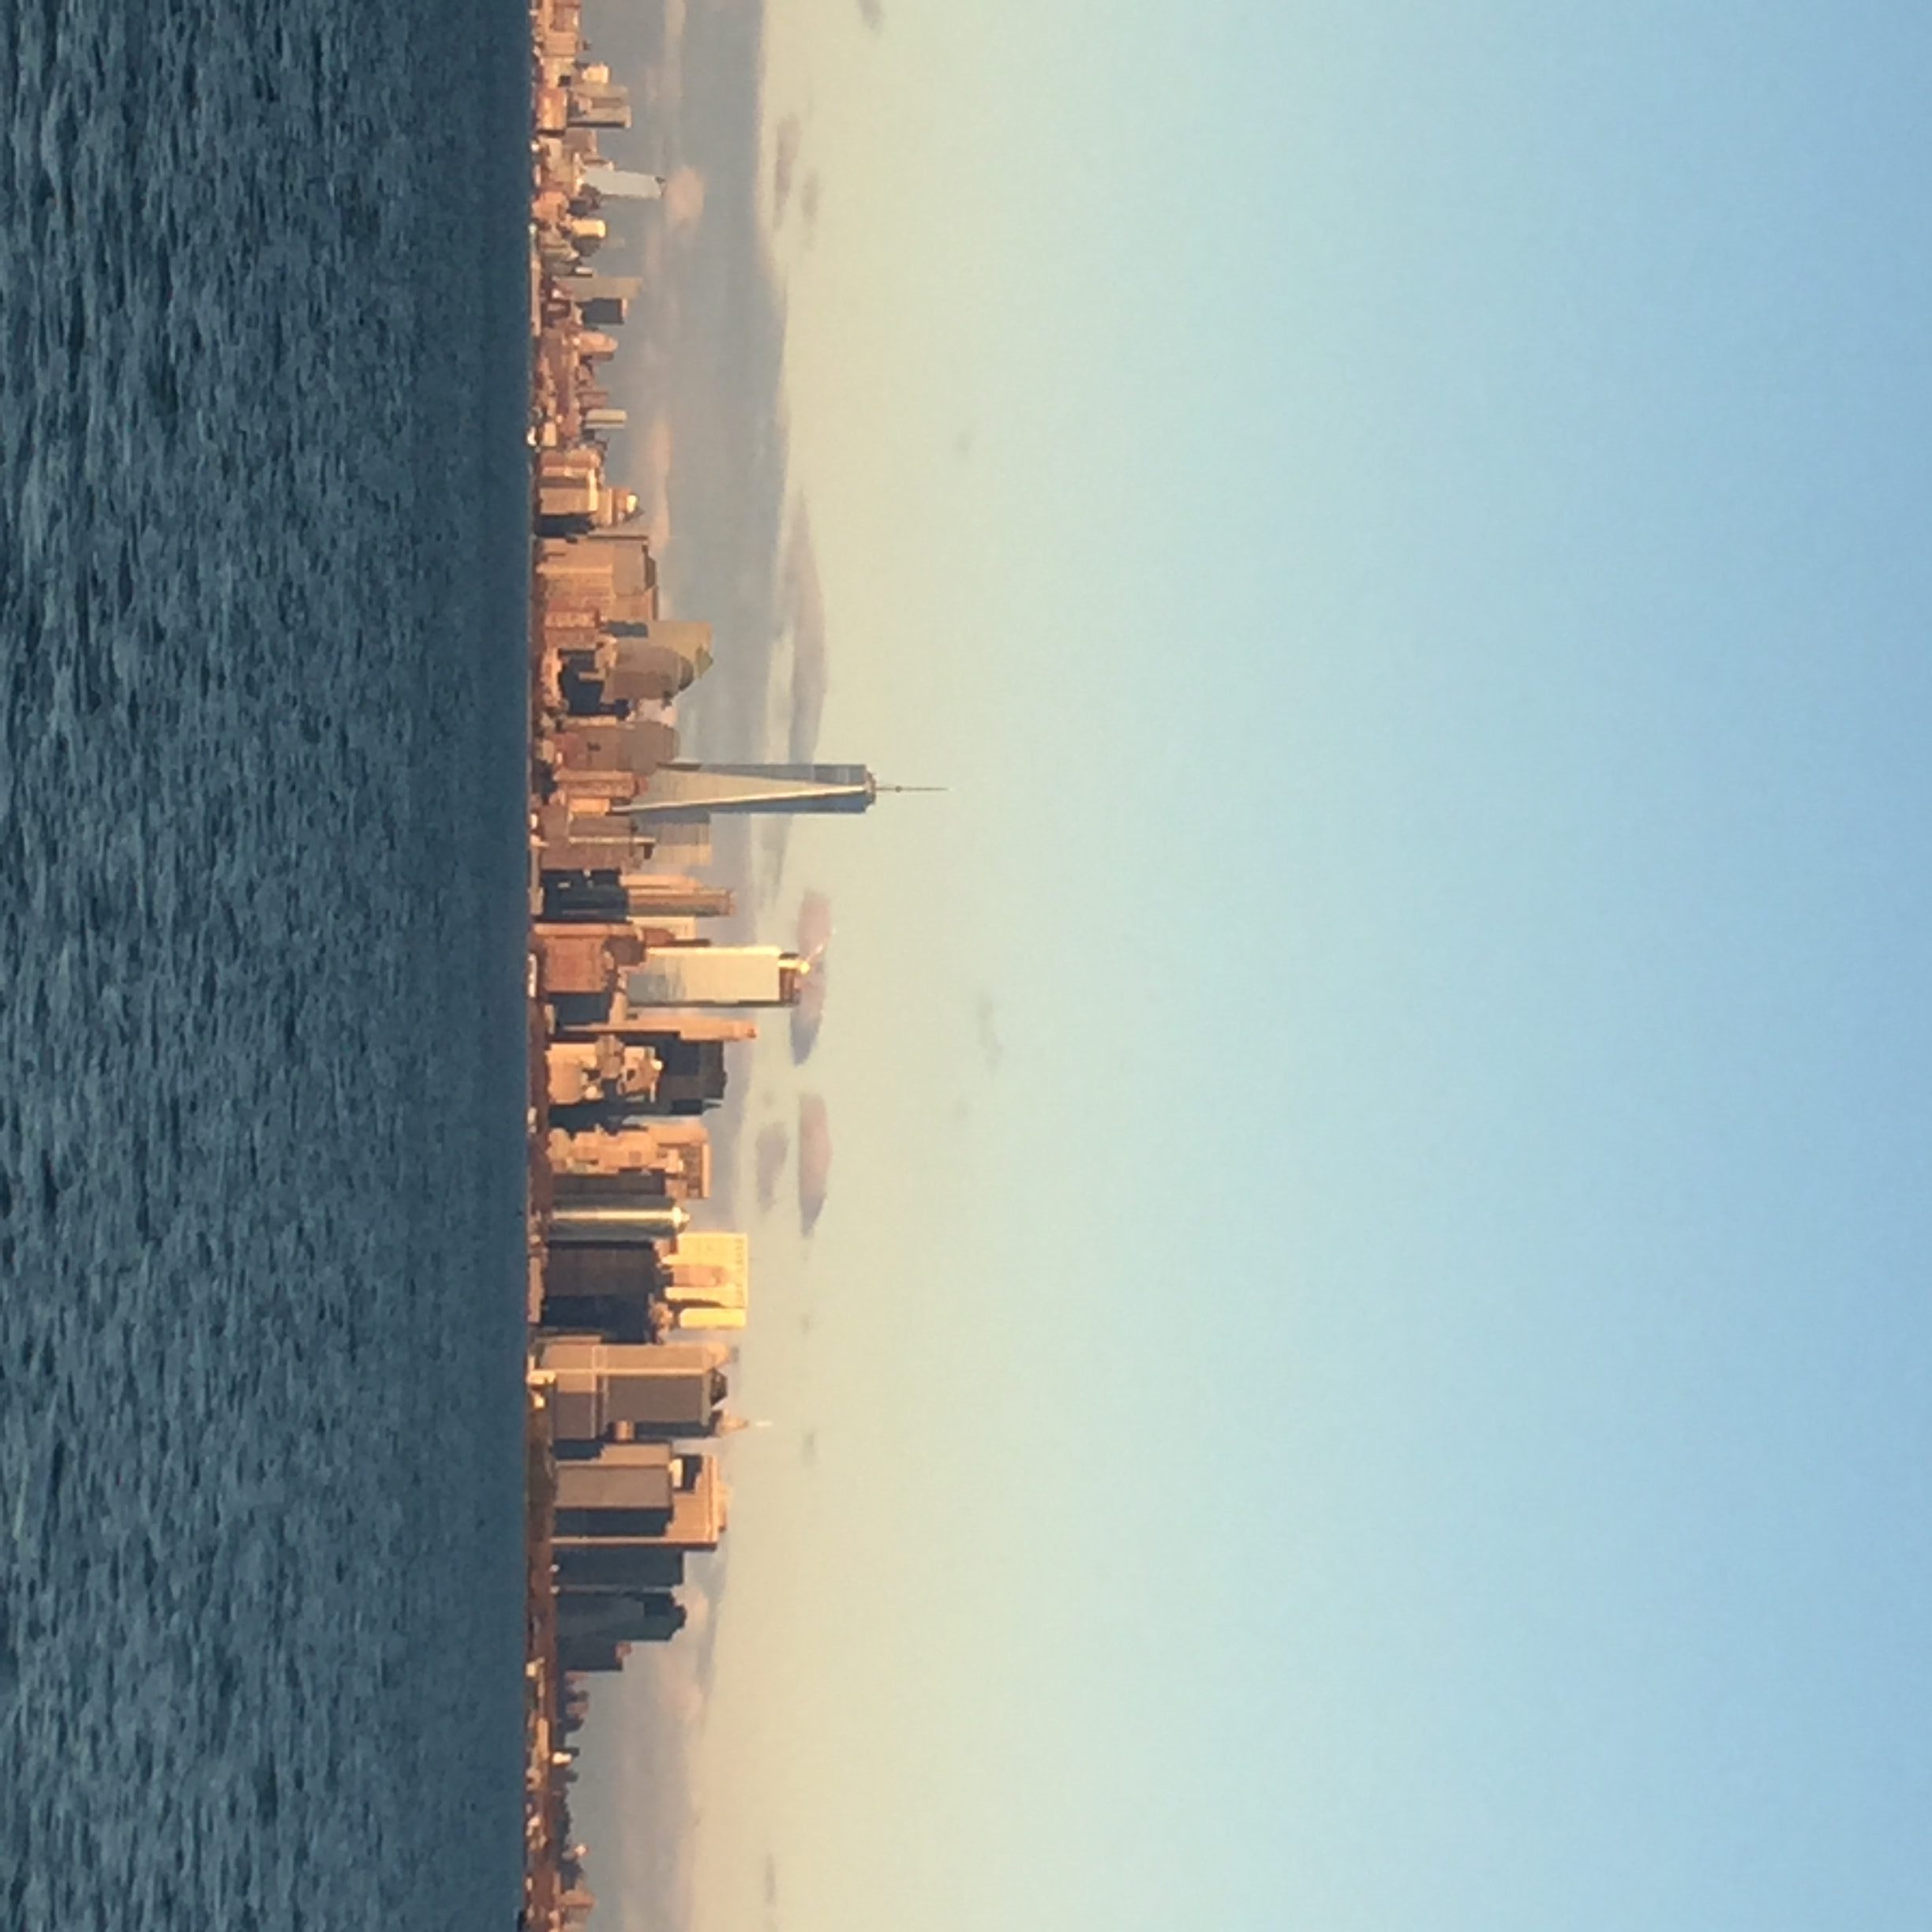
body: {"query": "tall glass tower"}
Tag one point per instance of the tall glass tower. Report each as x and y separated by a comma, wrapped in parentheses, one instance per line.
(685, 790)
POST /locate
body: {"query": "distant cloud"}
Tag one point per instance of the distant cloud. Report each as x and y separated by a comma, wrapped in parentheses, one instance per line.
(985, 1021)
(963, 444)
(657, 90)
(768, 1154)
(651, 478)
(646, 1723)
(872, 14)
(785, 146)
(807, 1017)
(683, 200)
(808, 204)
(815, 1160)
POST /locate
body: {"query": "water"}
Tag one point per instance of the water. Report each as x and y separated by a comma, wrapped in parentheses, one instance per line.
(263, 579)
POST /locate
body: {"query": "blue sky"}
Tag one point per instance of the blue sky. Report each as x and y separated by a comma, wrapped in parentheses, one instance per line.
(1397, 1398)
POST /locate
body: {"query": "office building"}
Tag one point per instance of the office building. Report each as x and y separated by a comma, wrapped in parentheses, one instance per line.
(587, 1655)
(626, 1478)
(625, 1498)
(607, 895)
(705, 1279)
(683, 789)
(673, 1156)
(597, 101)
(635, 1569)
(735, 975)
(664, 1393)
(652, 1616)
(691, 1076)
(614, 1219)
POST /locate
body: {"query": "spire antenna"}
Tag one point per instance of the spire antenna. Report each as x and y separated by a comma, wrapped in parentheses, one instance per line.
(886, 787)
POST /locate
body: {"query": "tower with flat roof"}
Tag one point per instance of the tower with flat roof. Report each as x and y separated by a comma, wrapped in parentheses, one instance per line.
(641, 1617)
(641, 1494)
(707, 975)
(660, 1393)
(705, 1279)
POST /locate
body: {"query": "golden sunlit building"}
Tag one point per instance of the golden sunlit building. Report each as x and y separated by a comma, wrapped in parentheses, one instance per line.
(704, 1278)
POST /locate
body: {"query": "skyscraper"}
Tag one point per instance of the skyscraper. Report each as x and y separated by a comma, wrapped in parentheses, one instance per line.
(729, 975)
(705, 1279)
(684, 789)
(663, 1394)
(642, 1494)
(633, 1567)
(641, 1617)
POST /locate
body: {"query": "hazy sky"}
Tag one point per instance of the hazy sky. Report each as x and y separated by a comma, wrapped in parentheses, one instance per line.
(1367, 1364)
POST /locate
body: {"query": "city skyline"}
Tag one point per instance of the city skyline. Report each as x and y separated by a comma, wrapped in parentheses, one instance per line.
(1536, 773)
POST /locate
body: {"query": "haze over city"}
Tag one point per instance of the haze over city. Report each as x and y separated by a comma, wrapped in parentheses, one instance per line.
(1403, 527)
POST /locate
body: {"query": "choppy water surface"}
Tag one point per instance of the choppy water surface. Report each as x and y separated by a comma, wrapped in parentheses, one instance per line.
(261, 585)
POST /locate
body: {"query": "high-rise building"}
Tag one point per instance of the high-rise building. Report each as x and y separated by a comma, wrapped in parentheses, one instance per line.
(599, 662)
(649, 1616)
(655, 661)
(704, 1278)
(607, 575)
(621, 1262)
(615, 1223)
(675, 1156)
(584, 957)
(608, 894)
(610, 1292)
(572, 838)
(664, 1393)
(612, 1211)
(682, 788)
(734, 975)
(597, 101)
(580, 1655)
(691, 1075)
(631, 1478)
(632, 1568)
(635, 745)
(582, 1071)
(683, 843)
(625, 184)
(586, 291)
(642, 1494)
